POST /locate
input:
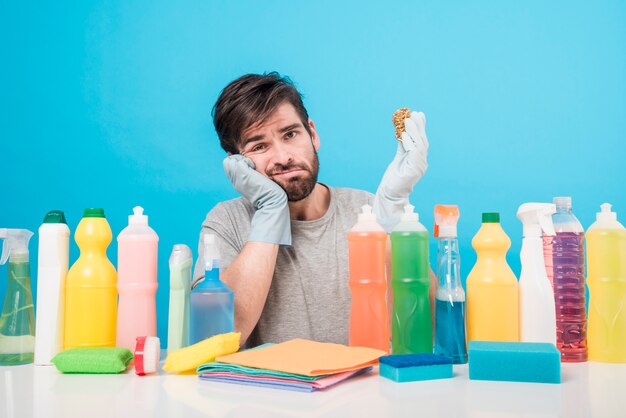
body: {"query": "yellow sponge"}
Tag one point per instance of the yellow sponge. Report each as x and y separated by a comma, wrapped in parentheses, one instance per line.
(190, 358)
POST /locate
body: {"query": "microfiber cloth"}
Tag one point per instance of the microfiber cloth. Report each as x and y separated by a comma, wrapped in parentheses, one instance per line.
(93, 360)
(217, 367)
(282, 383)
(305, 357)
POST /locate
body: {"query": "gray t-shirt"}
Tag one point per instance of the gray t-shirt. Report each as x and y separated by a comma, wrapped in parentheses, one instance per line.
(309, 296)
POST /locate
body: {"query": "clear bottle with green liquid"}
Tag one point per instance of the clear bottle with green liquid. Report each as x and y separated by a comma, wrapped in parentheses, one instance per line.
(17, 322)
(411, 330)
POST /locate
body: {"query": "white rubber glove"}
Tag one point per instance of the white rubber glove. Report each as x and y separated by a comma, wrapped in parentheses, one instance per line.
(407, 167)
(271, 222)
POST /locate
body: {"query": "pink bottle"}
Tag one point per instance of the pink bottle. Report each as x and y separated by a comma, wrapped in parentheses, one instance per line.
(136, 280)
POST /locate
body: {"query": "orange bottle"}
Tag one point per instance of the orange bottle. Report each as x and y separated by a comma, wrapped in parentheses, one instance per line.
(367, 250)
(492, 288)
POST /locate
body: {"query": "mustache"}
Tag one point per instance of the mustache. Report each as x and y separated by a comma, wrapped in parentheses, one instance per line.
(279, 168)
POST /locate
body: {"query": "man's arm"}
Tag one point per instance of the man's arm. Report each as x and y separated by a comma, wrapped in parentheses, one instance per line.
(249, 276)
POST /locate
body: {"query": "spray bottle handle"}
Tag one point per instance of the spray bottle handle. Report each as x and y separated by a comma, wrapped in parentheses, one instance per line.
(545, 221)
(5, 246)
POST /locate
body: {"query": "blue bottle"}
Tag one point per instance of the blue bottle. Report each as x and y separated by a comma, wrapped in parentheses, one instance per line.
(212, 302)
(450, 297)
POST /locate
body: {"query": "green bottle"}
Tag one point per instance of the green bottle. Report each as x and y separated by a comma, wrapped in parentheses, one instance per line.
(411, 330)
(17, 323)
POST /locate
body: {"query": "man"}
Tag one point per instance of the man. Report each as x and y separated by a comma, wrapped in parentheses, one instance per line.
(283, 245)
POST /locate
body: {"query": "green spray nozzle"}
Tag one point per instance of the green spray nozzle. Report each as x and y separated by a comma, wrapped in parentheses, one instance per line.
(15, 243)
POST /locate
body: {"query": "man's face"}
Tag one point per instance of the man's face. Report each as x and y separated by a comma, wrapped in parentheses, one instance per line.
(282, 149)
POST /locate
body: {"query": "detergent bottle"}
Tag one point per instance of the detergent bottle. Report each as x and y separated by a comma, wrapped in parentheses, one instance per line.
(54, 248)
(492, 289)
(606, 260)
(367, 249)
(412, 328)
(537, 312)
(90, 295)
(564, 256)
(17, 323)
(212, 302)
(180, 286)
(136, 280)
(450, 297)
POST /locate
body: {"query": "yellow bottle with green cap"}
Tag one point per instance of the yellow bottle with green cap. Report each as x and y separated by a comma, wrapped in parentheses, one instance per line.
(492, 289)
(90, 292)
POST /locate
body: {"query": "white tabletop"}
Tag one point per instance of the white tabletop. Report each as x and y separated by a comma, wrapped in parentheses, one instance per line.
(587, 390)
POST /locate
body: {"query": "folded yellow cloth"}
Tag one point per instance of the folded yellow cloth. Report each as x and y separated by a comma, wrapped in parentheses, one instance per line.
(190, 358)
(305, 357)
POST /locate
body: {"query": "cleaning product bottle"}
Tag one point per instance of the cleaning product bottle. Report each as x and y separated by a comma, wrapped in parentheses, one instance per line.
(492, 289)
(412, 328)
(54, 253)
(537, 313)
(180, 286)
(17, 323)
(606, 260)
(137, 254)
(450, 297)
(90, 295)
(564, 256)
(212, 302)
(367, 249)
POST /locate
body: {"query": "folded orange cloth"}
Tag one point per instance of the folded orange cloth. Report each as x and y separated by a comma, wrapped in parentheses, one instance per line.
(305, 357)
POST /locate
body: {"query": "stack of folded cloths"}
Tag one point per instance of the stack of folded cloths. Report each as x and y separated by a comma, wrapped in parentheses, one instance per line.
(300, 365)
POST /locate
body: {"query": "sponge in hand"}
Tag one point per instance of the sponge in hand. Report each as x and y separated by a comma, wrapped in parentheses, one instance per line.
(93, 360)
(514, 362)
(411, 367)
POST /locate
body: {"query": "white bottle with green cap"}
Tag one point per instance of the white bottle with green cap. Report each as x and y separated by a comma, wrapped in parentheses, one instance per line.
(53, 261)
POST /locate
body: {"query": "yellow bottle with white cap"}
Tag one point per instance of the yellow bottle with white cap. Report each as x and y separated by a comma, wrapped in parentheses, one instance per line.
(606, 263)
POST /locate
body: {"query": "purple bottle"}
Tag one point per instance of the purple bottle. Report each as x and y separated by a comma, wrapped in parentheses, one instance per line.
(564, 256)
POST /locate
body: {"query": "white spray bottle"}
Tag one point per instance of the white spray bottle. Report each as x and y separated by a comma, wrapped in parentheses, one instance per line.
(537, 310)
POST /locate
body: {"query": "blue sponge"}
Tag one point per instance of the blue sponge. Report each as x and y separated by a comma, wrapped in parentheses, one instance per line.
(411, 367)
(514, 362)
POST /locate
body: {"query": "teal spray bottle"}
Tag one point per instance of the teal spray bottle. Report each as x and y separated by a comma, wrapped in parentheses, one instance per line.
(450, 297)
(17, 323)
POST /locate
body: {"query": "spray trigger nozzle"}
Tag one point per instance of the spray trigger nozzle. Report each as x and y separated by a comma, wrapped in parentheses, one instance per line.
(15, 243)
(211, 252)
(446, 219)
(537, 217)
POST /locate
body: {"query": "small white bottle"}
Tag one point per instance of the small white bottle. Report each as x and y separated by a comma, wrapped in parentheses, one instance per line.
(53, 261)
(537, 307)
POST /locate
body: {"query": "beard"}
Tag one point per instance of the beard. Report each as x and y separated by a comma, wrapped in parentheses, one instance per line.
(299, 187)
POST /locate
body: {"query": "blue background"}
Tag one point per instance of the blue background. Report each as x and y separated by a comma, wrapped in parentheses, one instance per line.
(107, 104)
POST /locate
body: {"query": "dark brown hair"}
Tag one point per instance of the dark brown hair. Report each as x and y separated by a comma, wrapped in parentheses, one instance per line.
(249, 100)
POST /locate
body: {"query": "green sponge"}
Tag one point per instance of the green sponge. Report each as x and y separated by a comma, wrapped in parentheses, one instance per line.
(93, 360)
